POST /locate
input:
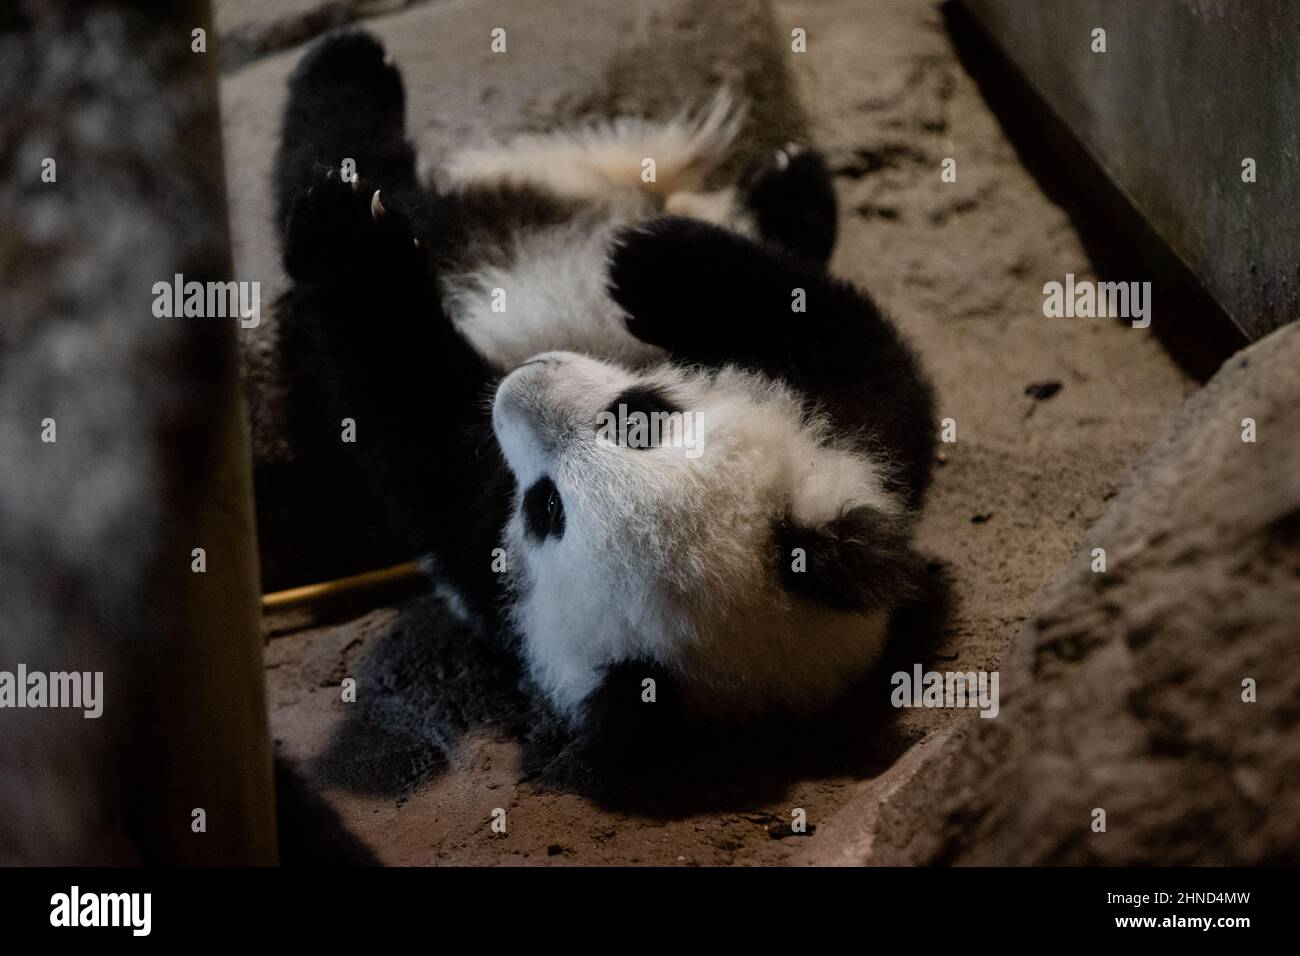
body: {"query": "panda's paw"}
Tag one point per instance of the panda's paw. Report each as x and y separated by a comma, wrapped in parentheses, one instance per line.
(341, 227)
(791, 199)
(670, 275)
(346, 108)
(350, 73)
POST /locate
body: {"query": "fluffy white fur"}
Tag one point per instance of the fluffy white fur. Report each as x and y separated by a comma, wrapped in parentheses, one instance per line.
(555, 298)
(554, 286)
(603, 160)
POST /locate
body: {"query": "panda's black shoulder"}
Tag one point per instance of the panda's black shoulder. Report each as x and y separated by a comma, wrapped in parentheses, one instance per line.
(635, 712)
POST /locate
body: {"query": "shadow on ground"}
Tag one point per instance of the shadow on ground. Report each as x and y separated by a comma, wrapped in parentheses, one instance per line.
(431, 680)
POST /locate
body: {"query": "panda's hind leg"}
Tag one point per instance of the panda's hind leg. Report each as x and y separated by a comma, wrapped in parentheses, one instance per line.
(789, 198)
(786, 198)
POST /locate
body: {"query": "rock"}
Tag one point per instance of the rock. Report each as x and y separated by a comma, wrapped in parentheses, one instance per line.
(887, 814)
(1124, 692)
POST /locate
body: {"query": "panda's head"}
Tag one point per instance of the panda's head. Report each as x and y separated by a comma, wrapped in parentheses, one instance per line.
(703, 522)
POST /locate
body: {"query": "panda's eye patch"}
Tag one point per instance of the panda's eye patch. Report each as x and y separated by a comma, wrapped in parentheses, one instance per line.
(643, 398)
(638, 416)
(544, 510)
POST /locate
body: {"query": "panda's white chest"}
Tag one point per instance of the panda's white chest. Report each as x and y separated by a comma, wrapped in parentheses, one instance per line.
(551, 296)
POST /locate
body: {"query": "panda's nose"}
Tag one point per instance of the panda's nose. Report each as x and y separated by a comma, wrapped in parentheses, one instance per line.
(515, 420)
(525, 379)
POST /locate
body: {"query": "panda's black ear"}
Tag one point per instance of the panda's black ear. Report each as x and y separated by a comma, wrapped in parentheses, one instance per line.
(858, 562)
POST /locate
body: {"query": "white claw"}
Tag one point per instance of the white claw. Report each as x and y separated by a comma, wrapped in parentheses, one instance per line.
(376, 207)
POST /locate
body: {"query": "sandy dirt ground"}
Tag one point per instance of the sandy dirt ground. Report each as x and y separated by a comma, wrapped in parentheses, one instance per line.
(1050, 416)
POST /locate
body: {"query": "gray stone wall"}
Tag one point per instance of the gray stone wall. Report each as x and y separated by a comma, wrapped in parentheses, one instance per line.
(1184, 92)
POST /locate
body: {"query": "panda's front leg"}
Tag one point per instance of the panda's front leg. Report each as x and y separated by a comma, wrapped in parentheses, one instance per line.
(365, 321)
(710, 296)
(363, 326)
(361, 255)
(338, 230)
(366, 296)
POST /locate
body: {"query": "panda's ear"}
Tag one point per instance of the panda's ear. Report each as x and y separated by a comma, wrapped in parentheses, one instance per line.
(857, 562)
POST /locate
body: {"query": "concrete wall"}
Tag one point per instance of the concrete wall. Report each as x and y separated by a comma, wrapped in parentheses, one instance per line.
(1184, 92)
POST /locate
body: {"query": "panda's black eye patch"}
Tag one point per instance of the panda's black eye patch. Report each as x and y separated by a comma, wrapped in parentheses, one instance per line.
(643, 398)
(632, 415)
(543, 510)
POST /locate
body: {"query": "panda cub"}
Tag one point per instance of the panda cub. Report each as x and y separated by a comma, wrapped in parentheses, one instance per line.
(502, 337)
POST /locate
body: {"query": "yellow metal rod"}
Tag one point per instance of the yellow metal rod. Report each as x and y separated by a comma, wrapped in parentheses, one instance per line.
(357, 582)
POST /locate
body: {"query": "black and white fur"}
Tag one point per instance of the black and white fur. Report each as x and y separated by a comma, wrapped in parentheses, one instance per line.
(480, 427)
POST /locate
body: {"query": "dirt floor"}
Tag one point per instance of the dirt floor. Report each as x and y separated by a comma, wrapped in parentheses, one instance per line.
(1050, 416)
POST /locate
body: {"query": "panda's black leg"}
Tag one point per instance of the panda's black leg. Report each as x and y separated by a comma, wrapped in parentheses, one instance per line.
(621, 724)
(346, 102)
(789, 196)
(333, 235)
(365, 332)
(356, 235)
(711, 296)
(356, 254)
